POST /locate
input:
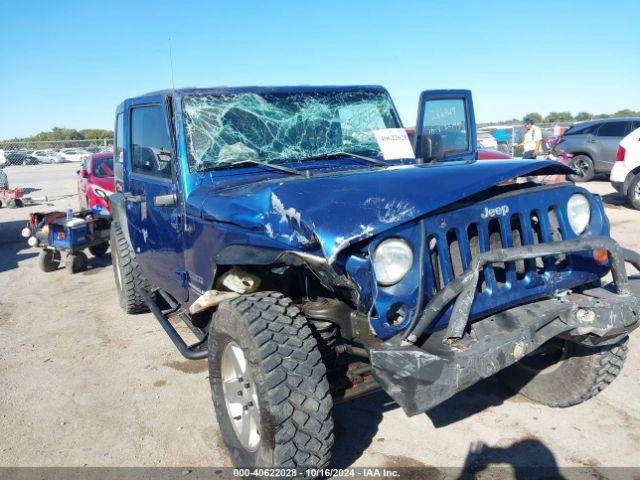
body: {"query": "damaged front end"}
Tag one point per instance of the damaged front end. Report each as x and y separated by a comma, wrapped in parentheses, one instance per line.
(420, 373)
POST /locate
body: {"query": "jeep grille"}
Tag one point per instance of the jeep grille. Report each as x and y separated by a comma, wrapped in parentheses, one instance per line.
(452, 246)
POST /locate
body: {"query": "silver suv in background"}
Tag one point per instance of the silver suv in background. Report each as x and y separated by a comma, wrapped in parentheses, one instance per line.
(594, 144)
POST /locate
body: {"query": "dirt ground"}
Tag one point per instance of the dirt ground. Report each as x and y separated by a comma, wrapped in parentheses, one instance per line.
(81, 383)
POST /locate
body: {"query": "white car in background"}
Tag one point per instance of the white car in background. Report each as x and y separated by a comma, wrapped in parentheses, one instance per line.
(48, 156)
(625, 175)
(486, 140)
(74, 154)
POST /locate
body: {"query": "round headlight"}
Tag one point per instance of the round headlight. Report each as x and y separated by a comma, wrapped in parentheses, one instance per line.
(392, 260)
(578, 212)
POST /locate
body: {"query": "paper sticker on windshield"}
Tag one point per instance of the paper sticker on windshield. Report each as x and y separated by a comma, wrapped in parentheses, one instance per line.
(394, 143)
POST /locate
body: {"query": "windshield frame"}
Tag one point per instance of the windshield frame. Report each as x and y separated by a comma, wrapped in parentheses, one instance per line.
(182, 96)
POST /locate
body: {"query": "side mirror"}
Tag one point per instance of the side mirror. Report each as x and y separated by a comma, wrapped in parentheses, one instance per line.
(83, 173)
(431, 149)
(446, 126)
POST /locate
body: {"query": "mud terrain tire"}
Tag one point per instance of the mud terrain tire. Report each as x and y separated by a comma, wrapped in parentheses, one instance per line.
(295, 427)
(126, 272)
(578, 375)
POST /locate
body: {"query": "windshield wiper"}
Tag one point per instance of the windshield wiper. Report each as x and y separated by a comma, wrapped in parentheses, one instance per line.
(220, 165)
(326, 156)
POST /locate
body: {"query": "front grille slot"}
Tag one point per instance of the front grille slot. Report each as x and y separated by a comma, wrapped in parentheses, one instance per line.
(518, 241)
(496, 242)
(536, 227)
(560, 261)
(455, 253)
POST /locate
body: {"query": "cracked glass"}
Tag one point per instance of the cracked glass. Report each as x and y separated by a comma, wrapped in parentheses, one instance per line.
(278, 127)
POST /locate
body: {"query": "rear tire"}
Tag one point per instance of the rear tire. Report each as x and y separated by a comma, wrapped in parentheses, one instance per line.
(100, 249)
(49, 260)
(292, 425)
(585, 168)
(578, 374)
(633, 193)
(76, 262)
(127, 273)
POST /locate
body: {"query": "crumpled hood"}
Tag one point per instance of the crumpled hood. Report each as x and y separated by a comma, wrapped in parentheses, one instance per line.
(331, 212)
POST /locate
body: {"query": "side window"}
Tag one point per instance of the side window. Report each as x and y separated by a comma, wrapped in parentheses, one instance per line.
(579, 129)
(119, 140)
(612, 129)
(150, 142)
(445, 121)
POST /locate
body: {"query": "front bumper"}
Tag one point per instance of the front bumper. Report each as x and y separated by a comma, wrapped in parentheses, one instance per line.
(618, 176)
(421, 374)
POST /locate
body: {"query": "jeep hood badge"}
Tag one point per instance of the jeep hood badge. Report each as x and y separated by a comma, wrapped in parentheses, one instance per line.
(325, 214)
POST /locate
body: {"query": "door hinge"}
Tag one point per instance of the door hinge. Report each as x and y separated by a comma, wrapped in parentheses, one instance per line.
(175, 220)
(183, 278)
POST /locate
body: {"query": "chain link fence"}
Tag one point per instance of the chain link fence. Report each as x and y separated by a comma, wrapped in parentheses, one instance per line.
(51, 151)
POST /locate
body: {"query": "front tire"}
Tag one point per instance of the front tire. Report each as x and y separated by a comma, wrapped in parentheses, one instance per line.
(633, 193)
(76, 262)
(49, 260)
(568, 374)
(584, 167)
(126, 272)
(282, 371)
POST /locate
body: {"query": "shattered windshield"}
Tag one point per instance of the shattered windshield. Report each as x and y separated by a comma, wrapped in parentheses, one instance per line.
(275, 127)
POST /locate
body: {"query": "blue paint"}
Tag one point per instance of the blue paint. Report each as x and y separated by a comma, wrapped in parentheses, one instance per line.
(340, 213)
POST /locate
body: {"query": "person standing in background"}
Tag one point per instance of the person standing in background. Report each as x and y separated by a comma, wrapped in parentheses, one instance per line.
(532, 141)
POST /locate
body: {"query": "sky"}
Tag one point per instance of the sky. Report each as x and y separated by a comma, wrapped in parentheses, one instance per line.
(69, 63)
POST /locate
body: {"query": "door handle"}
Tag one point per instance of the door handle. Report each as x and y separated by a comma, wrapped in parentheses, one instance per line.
(169, 200)
(134, 198)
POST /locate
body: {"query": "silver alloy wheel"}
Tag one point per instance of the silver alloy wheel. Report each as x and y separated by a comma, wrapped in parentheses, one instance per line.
(636, 191)
(240, 396)
(583, 167)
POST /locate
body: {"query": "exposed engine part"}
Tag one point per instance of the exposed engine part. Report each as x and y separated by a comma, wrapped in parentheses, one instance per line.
(326, 334)
(209, 299)
(237, 280)
(355, 351)
(332, 310)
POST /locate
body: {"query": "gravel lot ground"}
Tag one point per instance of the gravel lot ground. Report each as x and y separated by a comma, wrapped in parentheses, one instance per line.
(81, 383)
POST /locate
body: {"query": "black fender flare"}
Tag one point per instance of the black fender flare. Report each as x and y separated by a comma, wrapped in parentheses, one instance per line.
(118, 209)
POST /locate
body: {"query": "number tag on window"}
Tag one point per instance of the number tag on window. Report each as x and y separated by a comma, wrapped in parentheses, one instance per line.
(394, 143)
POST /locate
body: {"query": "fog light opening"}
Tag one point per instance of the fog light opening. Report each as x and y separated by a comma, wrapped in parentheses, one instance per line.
(397, 314)
(601, 256)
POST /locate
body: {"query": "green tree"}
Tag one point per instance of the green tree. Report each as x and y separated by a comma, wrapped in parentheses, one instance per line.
(92, 133)
(536, 117)
(58, 133)
(625, 113)
(555, 117)
(582, 116)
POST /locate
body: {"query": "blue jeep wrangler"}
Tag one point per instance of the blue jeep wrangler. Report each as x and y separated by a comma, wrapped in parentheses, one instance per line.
(315, 258)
